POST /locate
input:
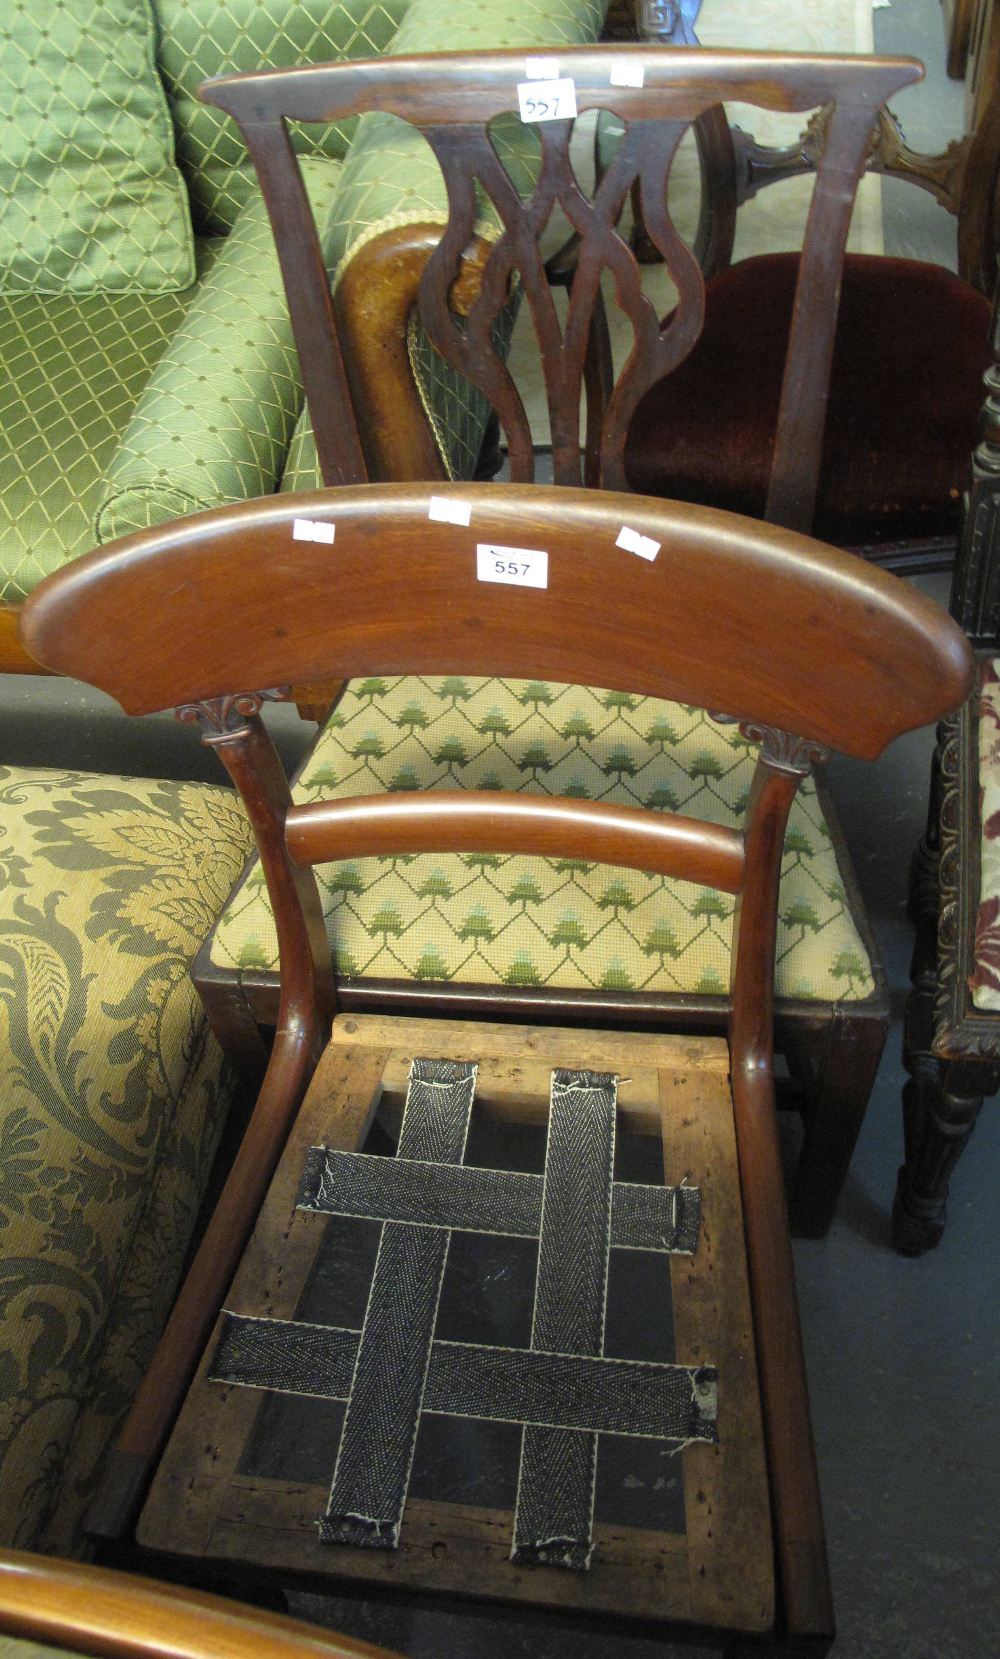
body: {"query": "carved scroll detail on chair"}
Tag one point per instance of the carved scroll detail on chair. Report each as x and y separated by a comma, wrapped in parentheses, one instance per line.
(222, 718)
(758, 165)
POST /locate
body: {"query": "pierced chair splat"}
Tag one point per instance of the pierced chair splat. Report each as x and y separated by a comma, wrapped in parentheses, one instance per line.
(498, 204)
(840, 655)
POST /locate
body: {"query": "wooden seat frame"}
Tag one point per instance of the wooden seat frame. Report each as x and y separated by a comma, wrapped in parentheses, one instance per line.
(841, 654)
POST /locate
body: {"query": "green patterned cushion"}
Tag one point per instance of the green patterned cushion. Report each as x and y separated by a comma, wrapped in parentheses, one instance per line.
(493, 920)
(200, 38)
(72, 368)
(113, 1095)
(90, 197)
(216, 417)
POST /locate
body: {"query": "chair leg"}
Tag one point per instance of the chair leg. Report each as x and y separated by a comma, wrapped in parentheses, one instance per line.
(941, 1103)
(843, 1082)
(942, 1099)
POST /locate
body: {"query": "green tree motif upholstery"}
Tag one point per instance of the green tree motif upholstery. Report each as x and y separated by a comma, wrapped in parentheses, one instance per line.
(501, 920)
(114, 1094)
(120, 410)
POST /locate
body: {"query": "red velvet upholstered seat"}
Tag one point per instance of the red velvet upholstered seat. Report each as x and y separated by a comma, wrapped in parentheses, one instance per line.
(905, 399)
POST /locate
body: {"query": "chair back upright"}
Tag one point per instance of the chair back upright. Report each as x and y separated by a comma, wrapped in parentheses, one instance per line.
(489, 249)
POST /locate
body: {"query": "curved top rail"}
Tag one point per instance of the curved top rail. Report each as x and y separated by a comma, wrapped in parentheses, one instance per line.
(678, 83)
(732, 614)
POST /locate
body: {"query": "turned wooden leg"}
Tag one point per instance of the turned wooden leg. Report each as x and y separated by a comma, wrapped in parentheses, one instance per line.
(942, 1098)
(941, 1103)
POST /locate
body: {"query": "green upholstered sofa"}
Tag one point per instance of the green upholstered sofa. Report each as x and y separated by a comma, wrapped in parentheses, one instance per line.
(147, 368)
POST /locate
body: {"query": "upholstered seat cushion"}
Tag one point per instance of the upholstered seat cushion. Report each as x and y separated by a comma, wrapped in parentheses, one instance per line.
(492, 920)
(905, 397)
(113, 1095)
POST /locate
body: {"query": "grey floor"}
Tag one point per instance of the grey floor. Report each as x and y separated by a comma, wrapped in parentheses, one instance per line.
(904, 1356)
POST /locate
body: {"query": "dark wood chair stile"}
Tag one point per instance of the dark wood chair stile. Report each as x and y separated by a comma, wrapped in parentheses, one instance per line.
(836, 653)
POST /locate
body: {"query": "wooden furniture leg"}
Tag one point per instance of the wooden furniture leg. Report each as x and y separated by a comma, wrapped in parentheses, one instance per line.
(842, 1088)
(941, 1103)
(942, 1098)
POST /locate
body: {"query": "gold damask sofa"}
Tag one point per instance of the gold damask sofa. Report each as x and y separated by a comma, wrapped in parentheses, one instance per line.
(113, 1095)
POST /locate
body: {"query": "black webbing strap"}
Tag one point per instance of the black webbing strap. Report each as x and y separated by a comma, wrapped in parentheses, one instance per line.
(464, 1379)
(372, 1472)
(500, 1201)
(555, 1488)
(562, 1391)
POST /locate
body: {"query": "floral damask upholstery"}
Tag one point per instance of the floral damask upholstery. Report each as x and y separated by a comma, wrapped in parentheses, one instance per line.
(113, 1096)
(524, 921)
(985, 978)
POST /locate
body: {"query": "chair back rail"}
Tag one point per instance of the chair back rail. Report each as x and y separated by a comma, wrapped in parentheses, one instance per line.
(476, 821)
(453, 99)
(733, 615)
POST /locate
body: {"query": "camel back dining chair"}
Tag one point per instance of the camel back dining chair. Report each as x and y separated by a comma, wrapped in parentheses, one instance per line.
(557, 939)
(537, 584)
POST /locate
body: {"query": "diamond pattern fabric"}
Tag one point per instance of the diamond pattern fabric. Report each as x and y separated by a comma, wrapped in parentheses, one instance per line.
(73, 370)
(200, 38)
(117, 412)
(216, 417)
(90, 196)
(507, 920)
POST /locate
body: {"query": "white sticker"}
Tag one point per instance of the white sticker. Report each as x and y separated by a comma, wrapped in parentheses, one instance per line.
(632, 542)
(626, 73)
(521, 567)
(443, 509)
(547, 100)
(310, 529)
(541, 69)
